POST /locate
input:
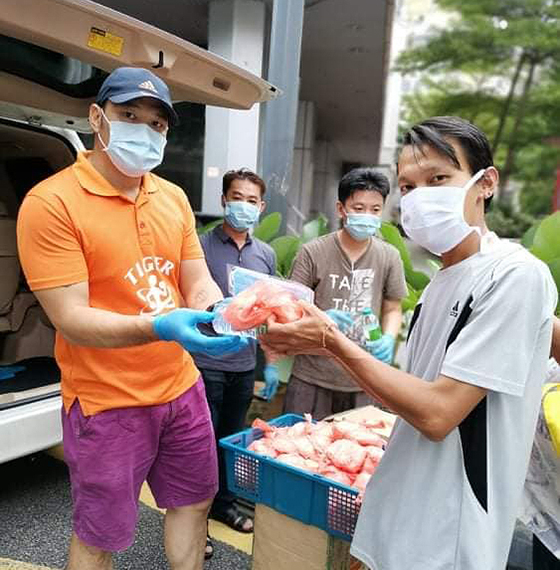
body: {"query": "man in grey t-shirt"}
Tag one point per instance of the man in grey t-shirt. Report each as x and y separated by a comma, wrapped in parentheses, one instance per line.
(350, 270)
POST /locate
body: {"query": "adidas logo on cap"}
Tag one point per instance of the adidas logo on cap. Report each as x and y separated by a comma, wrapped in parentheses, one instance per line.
(148, 85)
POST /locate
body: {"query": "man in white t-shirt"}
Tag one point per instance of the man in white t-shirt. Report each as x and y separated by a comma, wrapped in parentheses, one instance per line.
(448, 489)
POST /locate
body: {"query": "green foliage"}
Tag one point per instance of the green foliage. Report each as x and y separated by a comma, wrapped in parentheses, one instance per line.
(208, 227)
(286, 249)
(529, 235)
(415, 280)
(546, 246)
(269, 227)
(507, 223)
(467, 69)
(314, 228)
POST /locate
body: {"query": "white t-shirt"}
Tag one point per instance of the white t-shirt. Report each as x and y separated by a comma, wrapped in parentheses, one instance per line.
(452, 505)
(540, 509)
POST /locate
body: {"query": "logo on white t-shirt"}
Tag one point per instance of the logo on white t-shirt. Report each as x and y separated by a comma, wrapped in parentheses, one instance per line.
(454, 310)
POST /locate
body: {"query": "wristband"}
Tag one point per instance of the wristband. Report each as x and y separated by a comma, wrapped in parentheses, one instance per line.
(328, 327)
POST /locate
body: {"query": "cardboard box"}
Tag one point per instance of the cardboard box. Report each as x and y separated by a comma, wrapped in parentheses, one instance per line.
(283, 543)
(369, 413)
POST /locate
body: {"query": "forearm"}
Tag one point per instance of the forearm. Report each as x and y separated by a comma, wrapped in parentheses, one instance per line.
(391, 320)
(88, 326)
(410, 397)
(556, 340)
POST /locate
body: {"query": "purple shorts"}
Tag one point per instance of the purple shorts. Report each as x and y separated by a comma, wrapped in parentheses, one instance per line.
(112, 453)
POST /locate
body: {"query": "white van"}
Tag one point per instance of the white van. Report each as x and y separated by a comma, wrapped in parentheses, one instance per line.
(54, 55)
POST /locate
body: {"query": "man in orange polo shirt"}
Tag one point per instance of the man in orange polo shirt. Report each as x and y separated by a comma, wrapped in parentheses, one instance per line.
(112, 254)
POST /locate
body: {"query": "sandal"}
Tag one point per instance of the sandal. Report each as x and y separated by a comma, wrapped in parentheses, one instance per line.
(234, 519)
(209, 551)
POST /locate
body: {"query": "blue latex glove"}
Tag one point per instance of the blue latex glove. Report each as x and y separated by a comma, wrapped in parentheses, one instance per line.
(181, 325)
(343, 319)
(383, 348)
(271, 380)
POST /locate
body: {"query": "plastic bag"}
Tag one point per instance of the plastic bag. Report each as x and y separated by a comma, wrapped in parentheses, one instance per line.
(255, 297)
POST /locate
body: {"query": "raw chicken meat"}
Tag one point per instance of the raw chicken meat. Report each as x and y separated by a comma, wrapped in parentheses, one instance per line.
(305, 447)
(361, 481)
(347, 455)
(256, 304)
(263, 447)
(343, 451)
(283, 444)
(337, 475)
(292, 459)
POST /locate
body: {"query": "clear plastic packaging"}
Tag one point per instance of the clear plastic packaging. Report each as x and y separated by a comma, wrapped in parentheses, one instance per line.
(255, 297)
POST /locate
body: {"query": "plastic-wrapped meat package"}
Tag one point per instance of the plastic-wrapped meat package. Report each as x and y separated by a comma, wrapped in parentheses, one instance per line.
(361, 481)
(347, 455)
(253, 307)
(282, 444)
(344, 429)
(369, 465)
(292, 459)
(314, 447)
(255, 298)
(320, 442)
(337, 475)
(263, 447)
(298, 430)
(374, 453)
(305, 447)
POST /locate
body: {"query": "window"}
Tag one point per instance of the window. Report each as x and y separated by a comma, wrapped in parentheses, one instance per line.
(51, 69)
(184, 153)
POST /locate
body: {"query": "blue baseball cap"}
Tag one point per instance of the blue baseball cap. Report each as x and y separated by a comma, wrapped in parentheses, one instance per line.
(127, 83)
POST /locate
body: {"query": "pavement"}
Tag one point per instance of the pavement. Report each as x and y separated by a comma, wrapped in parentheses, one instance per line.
(35, 524)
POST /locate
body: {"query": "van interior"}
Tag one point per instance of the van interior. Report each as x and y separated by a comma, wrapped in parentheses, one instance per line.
(27, 156)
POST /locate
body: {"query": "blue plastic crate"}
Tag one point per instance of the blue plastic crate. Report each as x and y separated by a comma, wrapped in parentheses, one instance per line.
(305, 496)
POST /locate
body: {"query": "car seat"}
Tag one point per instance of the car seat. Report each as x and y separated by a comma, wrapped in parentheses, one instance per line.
(25, 331)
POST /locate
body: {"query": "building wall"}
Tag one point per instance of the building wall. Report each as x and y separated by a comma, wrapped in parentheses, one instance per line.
(328, 168)
(301, 187)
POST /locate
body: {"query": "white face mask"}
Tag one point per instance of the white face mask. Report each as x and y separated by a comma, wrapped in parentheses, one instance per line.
(433, 216)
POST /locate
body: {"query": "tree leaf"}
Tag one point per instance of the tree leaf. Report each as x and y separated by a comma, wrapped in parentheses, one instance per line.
(286, 248)
(269, 227)
(546, 243)
(315, 228)
(529, 235)
(416, 279)
(411, 300)
(209, 227)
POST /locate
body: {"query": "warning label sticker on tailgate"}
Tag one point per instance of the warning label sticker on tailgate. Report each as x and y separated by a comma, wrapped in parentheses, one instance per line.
(105, 41)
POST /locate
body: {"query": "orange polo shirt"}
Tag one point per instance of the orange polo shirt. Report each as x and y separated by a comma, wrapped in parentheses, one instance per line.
(76, 227)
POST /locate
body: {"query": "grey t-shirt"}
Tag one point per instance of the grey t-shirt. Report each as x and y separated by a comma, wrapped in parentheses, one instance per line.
(452, 504)
(338, 283)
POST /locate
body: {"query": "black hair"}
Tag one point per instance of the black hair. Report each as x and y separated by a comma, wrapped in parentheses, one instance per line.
(363, 178)
(436, 132)
(242, 174)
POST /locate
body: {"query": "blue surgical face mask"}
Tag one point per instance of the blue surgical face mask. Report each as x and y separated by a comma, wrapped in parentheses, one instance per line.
(241, 215)
(134, 148)
(362, 226)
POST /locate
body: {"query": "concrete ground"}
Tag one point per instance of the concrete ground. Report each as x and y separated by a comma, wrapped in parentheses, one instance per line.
(35, 524)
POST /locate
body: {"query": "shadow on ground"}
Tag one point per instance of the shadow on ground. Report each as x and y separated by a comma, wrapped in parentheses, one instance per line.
(35, 522)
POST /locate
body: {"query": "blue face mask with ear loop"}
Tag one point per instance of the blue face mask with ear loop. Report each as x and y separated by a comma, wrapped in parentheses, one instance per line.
(241, 215)
(134, 148)
(362, 226)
